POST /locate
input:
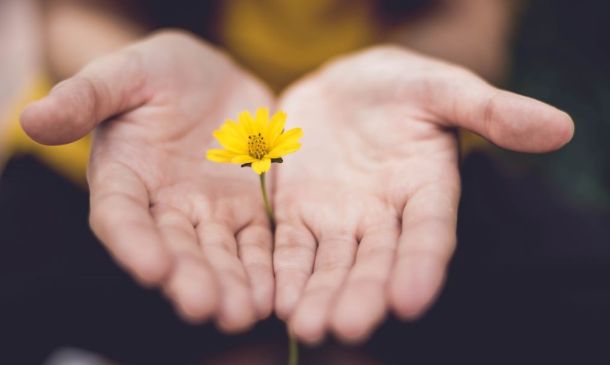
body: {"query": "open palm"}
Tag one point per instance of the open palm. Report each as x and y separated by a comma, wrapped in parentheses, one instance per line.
(367, 210)
(168, 216)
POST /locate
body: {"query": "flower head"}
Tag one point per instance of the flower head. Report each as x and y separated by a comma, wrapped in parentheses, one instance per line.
(255, 141)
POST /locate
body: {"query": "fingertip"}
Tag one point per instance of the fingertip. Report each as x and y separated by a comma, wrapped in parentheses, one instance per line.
(262, 287)
(237, 315)
(28, 119)
(310, 320)
(525, 124)
(565, 130)
(349, 330)
(290, 284)
(193, 291)
(285, 301)
(195, 308)
(554, 128)
(357, 312)
(414, 287)
(236, 324)
(263, 300)
(352, 336)
(36, 121)
(308, 330)
(63, 116)
(282, 311)
(152, 266)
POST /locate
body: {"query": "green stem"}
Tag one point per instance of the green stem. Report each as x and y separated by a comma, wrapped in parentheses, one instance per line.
(268, 207)
(293, 346)
(293, 350)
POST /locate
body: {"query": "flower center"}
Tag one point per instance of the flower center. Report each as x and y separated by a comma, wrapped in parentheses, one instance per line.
(257, 147)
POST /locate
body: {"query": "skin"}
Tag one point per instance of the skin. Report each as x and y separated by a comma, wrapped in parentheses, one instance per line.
(196, 229)
(367, 209)
(19, 58)
(366, 212)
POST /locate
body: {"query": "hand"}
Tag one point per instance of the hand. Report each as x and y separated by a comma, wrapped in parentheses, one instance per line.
(20, 56)
(166, 214)
(367, 209)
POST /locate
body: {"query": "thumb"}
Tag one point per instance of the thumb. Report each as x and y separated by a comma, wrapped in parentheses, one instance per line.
(507, 119)
(104, 88)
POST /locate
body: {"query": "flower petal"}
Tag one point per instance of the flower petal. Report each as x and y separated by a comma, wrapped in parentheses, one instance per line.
(260, 166)
(241, 159)
(262, 119)
(276, 126)
(217, 155)
(283, 150)
(230, 127)
(247, 123)
(288, 138)
(231, 142)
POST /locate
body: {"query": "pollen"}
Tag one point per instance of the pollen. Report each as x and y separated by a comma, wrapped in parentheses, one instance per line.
(257, 147)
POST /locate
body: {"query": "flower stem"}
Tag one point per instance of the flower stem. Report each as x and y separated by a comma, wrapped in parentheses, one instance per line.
(293, 346)
(268, 207)
(293, 350)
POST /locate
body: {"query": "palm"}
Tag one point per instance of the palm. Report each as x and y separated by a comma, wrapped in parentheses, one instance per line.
(367, 210)
(189, 201)
(167, 214)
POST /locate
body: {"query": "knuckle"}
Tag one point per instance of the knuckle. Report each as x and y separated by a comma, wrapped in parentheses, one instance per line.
(489, 112)
(376, 252)
(333, 264)
(292, 255)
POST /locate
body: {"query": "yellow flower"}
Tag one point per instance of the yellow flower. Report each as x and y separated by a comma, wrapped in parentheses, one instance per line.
(255, 142)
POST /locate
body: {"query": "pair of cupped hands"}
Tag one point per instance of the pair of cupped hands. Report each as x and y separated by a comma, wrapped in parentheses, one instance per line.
(366, 211)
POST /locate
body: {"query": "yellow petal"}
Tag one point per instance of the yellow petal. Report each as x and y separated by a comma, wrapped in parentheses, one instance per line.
(260, 166)
(283, 150)
(290, 136)
(262, 119)
(246, 121)
(276, 126)
(241, 159)
(241, 129)
(217, 155)
(231, 142)
(230, 127)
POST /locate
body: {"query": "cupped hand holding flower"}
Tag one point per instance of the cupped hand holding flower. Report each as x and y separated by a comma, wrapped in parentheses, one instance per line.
(196, 229)
(366, 211)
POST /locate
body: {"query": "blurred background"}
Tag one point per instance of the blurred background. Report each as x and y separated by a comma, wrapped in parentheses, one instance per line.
(530, 278)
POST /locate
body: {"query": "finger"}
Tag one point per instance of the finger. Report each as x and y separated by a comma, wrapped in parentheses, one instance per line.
(507, 119)
(426, 244)
(255, 249)
(334, 258)
(293, 258)
(104, 88)
(191, 284)
(236, 311)
(361, 304)
(121, 219)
